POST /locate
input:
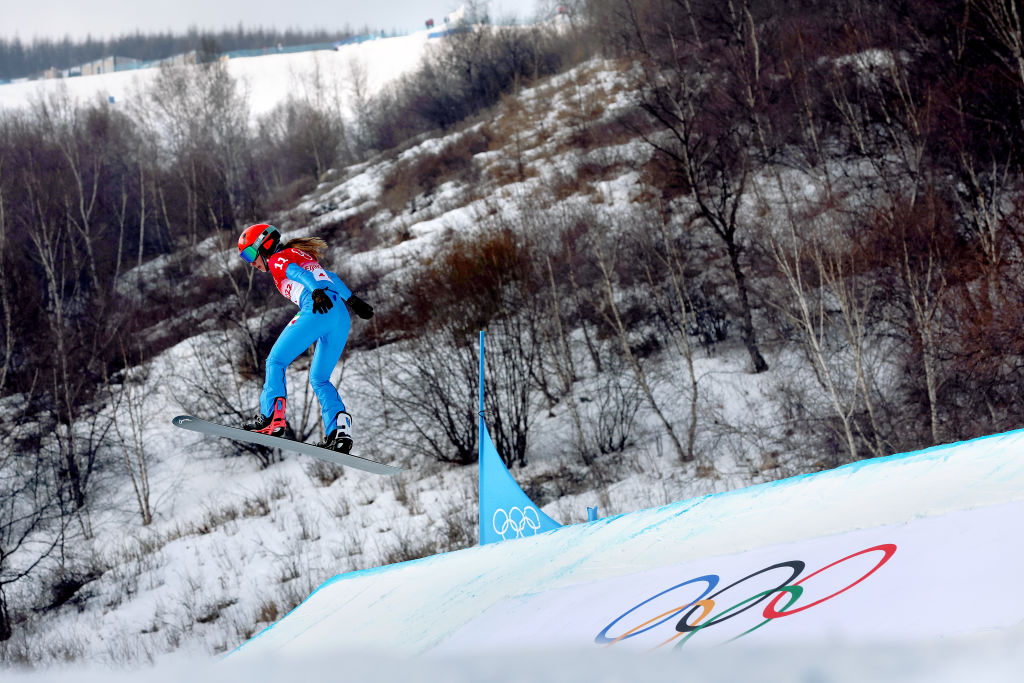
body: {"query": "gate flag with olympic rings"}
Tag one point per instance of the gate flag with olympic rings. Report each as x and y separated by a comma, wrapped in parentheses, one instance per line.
(506, 512)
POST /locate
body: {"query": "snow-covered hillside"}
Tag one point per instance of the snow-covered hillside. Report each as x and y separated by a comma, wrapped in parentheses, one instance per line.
(234, 546)
(268, 79)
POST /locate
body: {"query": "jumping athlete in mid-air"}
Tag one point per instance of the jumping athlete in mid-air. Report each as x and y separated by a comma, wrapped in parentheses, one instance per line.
(299, 277)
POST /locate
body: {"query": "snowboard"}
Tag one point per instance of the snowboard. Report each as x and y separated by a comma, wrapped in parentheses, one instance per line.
(196, 424)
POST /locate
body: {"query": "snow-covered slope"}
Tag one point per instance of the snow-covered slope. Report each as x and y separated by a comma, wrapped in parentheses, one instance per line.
(268, 79)
(869, 552)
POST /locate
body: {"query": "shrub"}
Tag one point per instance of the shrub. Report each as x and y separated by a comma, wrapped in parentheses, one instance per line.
(421, 174)
(354, 233)
(464, 285)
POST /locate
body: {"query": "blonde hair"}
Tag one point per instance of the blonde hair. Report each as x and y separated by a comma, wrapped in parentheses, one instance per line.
(314, 246)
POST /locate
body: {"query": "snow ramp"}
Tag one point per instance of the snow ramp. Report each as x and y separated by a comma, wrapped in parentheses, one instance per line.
(909, 548)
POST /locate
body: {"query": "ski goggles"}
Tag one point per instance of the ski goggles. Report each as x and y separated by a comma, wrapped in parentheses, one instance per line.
(249, 254)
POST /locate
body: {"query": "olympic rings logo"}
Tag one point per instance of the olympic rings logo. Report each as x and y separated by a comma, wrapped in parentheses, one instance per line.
(516, 520)
(686, 626)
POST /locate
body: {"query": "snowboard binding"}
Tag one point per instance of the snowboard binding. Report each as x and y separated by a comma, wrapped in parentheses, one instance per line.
(340, 438)
(273, 424)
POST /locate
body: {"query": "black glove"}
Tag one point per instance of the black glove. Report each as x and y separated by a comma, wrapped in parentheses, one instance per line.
(321, 302)
(360, 307)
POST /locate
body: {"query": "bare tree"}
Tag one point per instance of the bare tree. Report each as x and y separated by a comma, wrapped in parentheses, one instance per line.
(132, 420)
(53, 251)
(563, 359)
(1005, 21)
(605, 258)
(359, 103)
(815, 279)
(31, 521)
(6, 303)
(679, 310)
(201, 116)
(682, 86)
(922, 274)
(431, 386)
(513, 358)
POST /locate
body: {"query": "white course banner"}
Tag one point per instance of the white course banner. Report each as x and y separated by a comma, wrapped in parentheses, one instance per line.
(932, 577)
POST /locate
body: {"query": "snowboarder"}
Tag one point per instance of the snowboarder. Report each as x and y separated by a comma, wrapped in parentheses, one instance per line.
(299, 276)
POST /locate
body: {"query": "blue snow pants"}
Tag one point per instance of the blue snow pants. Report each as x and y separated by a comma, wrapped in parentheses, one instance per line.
(330, 332)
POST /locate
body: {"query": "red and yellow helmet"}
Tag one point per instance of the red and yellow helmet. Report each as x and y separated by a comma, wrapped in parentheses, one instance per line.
(258, 240)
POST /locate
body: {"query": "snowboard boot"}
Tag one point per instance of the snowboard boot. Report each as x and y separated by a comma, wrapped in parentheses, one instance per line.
(273, 424)
(340, 438)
